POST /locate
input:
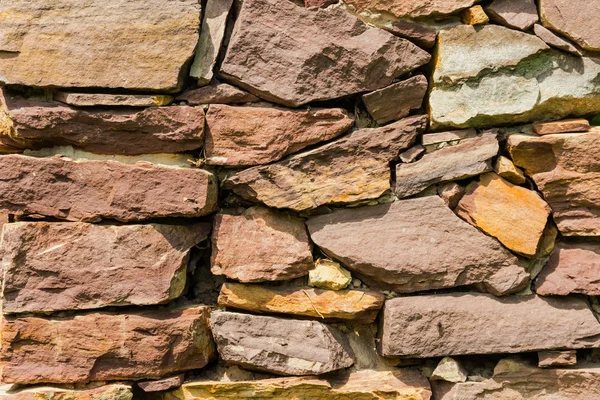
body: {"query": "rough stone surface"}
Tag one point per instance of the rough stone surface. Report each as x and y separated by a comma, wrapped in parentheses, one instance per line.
(353, 168)
(421, 34)
(474, 16)
(51, 266)
(470, 157)
(243, 136)
(412, 8)
(279, 346)
(554, 40)
(564, 168)
(348, 305)
(451, 193)
(416, 244)
(439, 140)
(112, 392)
(564, 126)
(517, 14)
(217, 93)
(574, 19)
(572, 268)
(211, 38)
(36, 124)
(329, 274)
(104, 99)
(260, 245)
(93, 190)
(557, 358)
(449, 370)
(412, 154)
(105, 346)
(477, 323)
(397, 384)
(507, 170)
(514, 215)
(132, 44)
(159, 385)
(291, 55)
(396, 101)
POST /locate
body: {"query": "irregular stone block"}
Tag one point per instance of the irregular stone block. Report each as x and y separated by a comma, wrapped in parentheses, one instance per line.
(75, 266)
(572, 268)
(412, 154)
(564, 126)
(328, 274)
(353, 168)
(396, 101)
(105, 99)
(411, 8)
(217, 93)
(160, 385)
(318, 54)
(279, 346)
(574, 19)
(451, 193)
(517, 14)
(105, 346)
(565, 169)
(449, 370)
(242, 136)
(557, 358)
(505, 168)
(37, 124)
(414, 245)
(112, 392)
(421, 34)
(474, 16)
(554, 40)
(348, 305)
(94, 190)
(470, 157)
(260, 245)
(132, 44)
(514, 215)
(477, 323)
(438, 140)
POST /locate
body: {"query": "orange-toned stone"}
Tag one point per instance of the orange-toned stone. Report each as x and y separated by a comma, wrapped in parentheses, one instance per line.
(514, 215)
(474, 16)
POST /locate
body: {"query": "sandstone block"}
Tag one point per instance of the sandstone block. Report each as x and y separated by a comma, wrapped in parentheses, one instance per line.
(564, 126)
(557, 358)
(439, 140)
(449, 370)
(412, 8)
(574, 19)
(113, 392)
(412, 154)
(517, 14)
(554, 40)
(506, 169)
(110, 100)
(421, 34)
(160, 385)
(451, 193)
(329, 274)
(474, 16)
(217, 93)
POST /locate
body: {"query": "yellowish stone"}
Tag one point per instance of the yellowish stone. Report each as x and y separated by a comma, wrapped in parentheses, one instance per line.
(328, 274)
(507, 170)
(474, 16)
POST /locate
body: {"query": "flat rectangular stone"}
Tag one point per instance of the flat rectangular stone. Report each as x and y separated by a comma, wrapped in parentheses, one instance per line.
(105, 346)
(564, 126)
(449, 136)
(106, 99)
(115, 391)
(477, 323)
(93, 190)
(217, 93)
(397, 100)
(421, 34)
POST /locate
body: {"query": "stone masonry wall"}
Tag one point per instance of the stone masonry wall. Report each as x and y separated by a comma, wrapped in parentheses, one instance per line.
(271, 199)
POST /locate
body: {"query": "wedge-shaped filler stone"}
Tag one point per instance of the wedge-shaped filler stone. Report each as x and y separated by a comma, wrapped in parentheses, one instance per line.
(353, 168)
(92, 190)
(105, 346)
(478, 323)
(75, 265)
(291, 55)
(279, 346)
(414, 245)
(132, 44)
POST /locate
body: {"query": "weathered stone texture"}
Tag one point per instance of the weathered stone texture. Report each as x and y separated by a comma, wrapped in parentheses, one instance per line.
(505, 168)
(518, 14)
(217, 93)
(554, 40)
(550, 359)
(416, 244)
(93, 190)
(574, 19)
(105, 346)
(476, 323)
(329, 274)
(411, 8)
(353, 168)
(104, 99)
(449, 370)
(242, 136)
(396, 101)
(279, 346)
(108, 392)
(564, 126)
(421, 34)
(132, 44)
(159, 385)
(291, 55)
(75, 265)
(474, 16)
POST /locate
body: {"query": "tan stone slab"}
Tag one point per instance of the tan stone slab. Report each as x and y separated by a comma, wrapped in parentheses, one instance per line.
(397, 100)
(550, 359)
(564, 126)
(112, 392)
(105, 99)
(506, 169)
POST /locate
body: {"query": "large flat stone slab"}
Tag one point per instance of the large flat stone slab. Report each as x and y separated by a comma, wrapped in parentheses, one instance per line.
(93, 190)
(132, 44)
(74, 265)
(477, 323)
(574, 19)
(416, 244)
(350, 169)
(291, 55)
(105, 346)
(115, 391)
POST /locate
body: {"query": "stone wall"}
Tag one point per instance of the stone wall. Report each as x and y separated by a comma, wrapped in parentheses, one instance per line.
(265, 199)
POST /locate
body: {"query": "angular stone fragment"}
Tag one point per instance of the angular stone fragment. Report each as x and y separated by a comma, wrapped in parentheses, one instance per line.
(260, 245)
(572, 268)
(470, 157)
(94, 190)
(396, 101)
(291, 55)
(575, 19)
(565, 169)
(564, 126)
(438, 140)
(514, 215)
(37, 124)
(105, 99)
(414, 245)
(347, 305)
(112, 392)
(474, 16)
(105, 346)
(159, 385)
(449, 370)
(397, 384)
(353, 168)
(243, 136)
(412, 154)
(328, 274)
(451, 193)
(132, 44)
(554, 40)
(477, 323)
(211, 39)
(279, 346)
(507, 170)
(217, 93)
(74, 265)
(412, 8)
(557, 358)
(421, 34)
(517, 14)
